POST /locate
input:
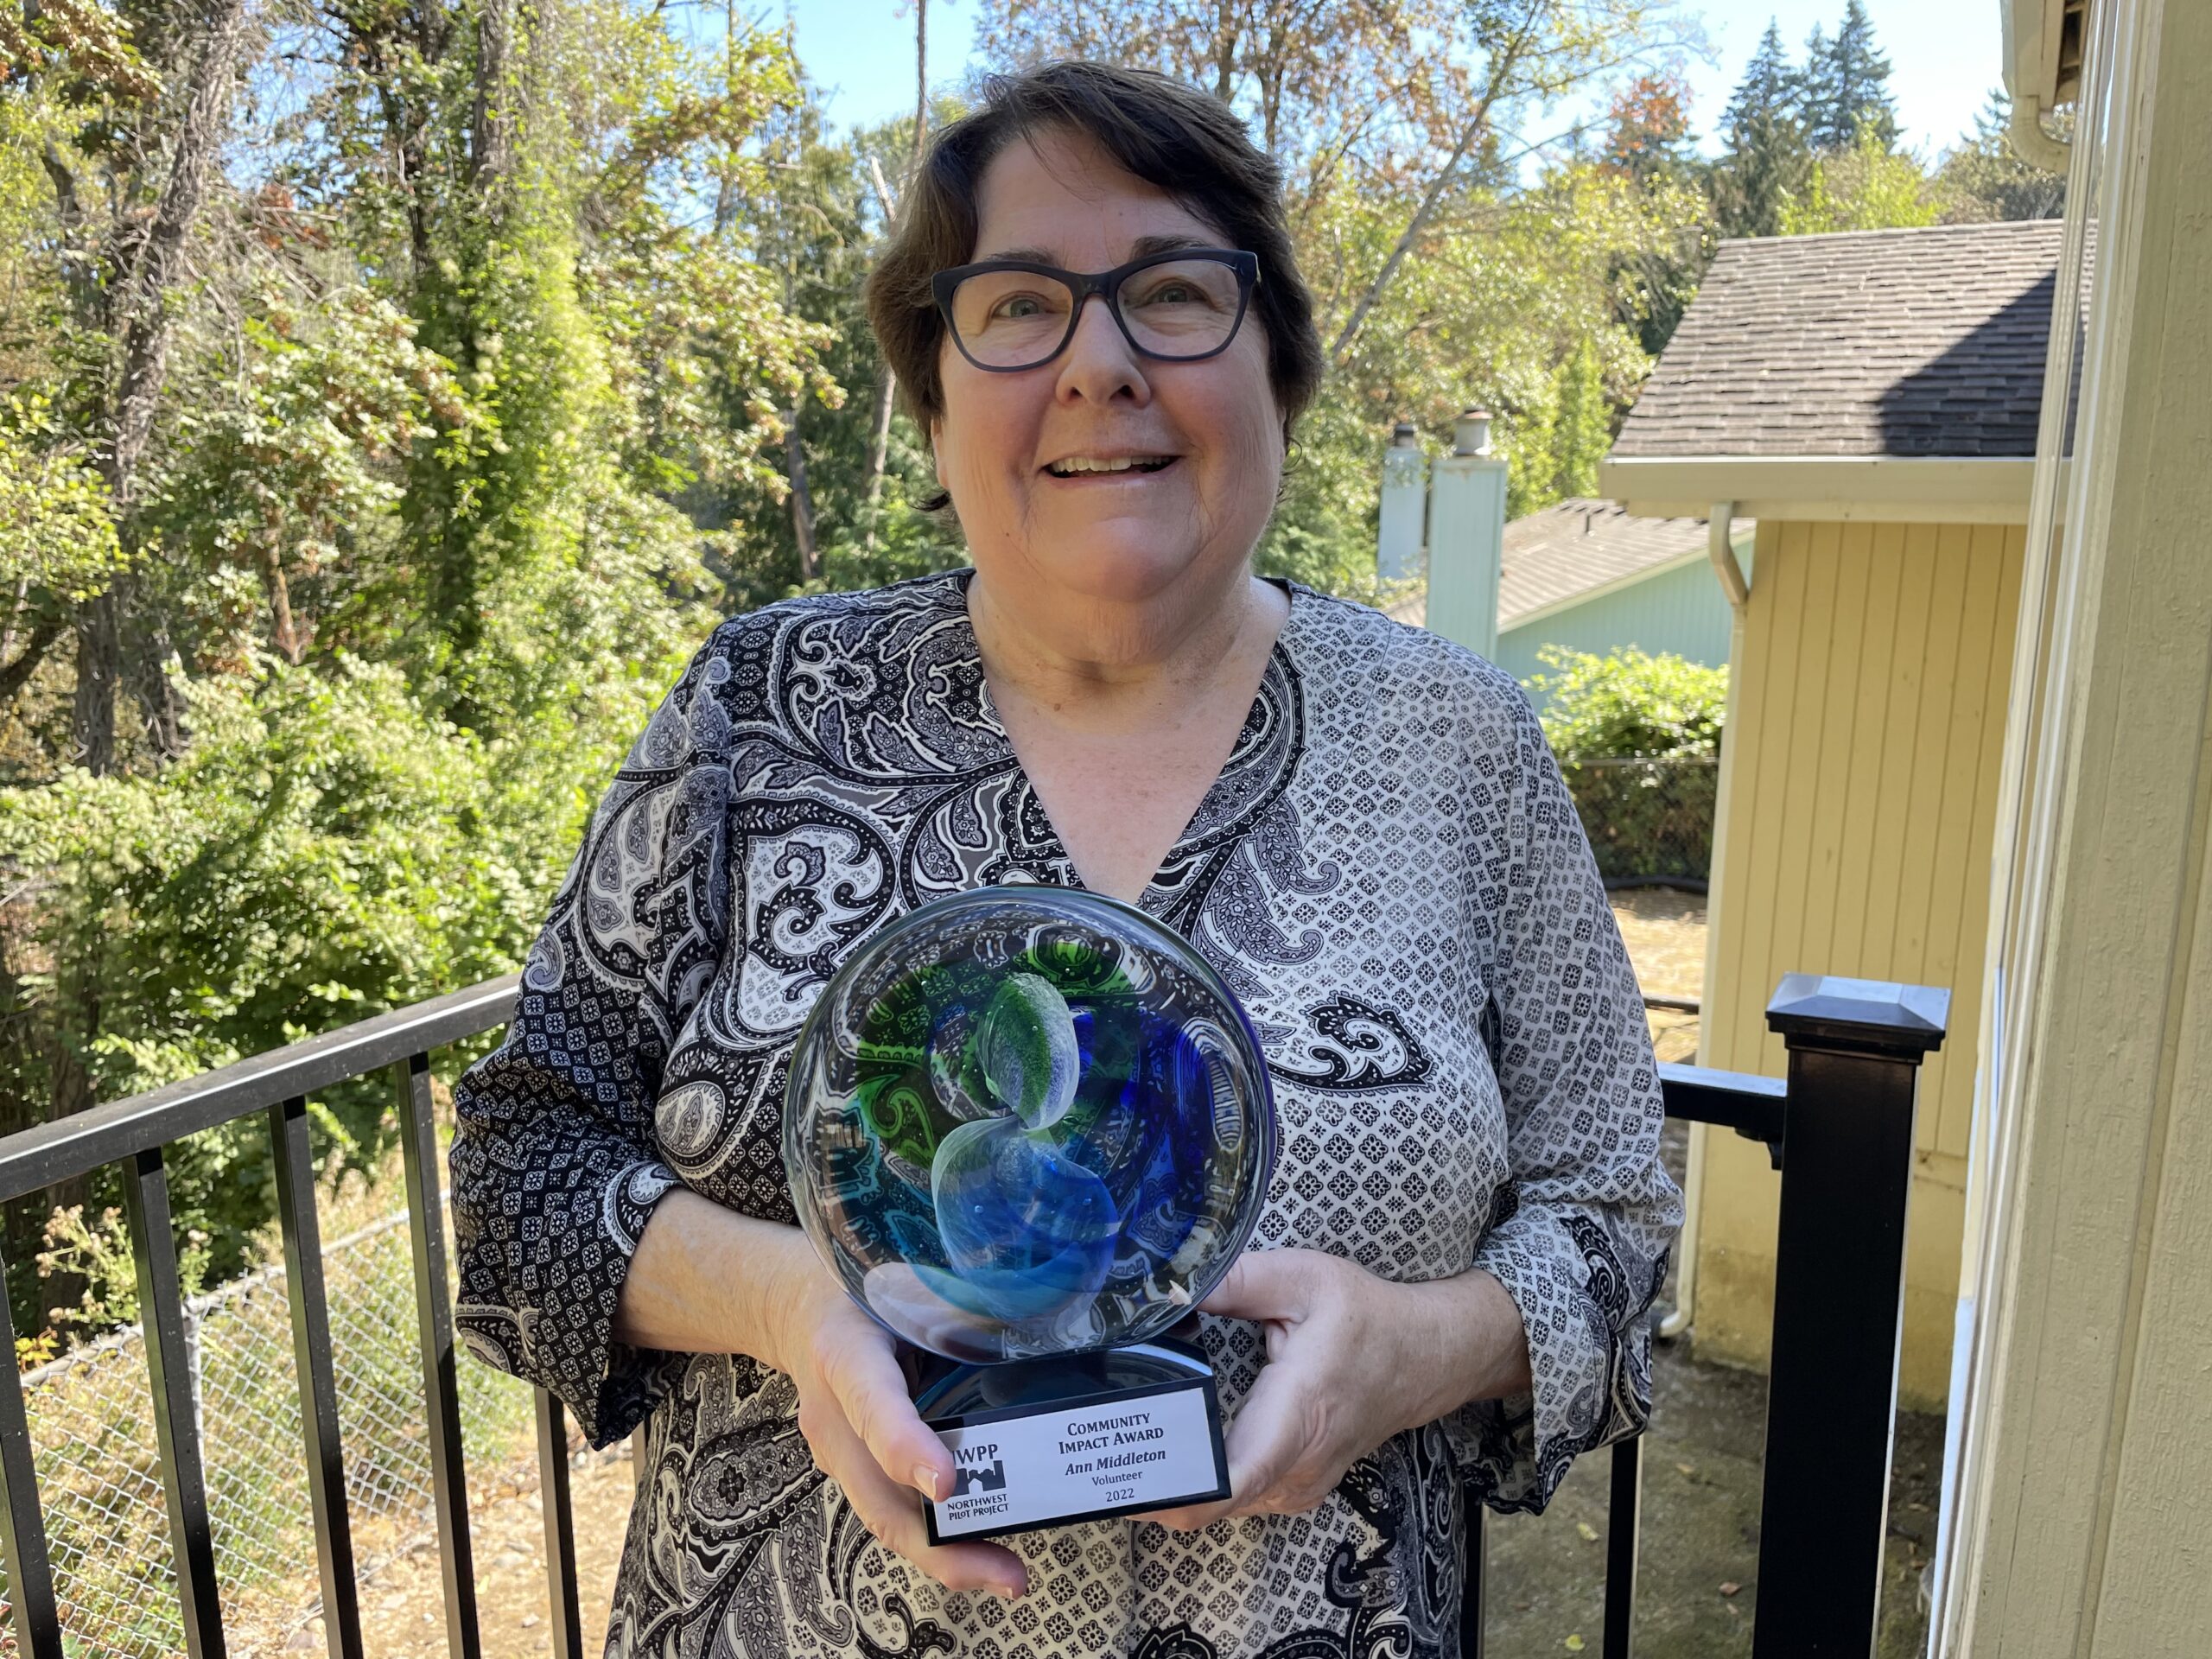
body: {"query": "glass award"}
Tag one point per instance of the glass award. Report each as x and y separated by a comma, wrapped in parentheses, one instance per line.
(1028, 1128)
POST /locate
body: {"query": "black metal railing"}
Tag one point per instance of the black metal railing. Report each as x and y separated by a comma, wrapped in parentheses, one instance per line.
(132, 1132)
(1840, 1130)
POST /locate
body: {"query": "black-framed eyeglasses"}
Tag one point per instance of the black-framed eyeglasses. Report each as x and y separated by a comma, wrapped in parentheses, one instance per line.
(1181, 305)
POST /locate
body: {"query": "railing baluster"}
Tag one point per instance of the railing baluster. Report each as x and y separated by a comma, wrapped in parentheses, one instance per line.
(419, 1135)
(176, 1423)
(32, 1612)
(311, 1359)
(1471, 1590)
(560, 1526)
(1621, 1525)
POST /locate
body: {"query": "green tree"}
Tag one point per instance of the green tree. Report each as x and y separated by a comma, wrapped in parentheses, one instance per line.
(1983, 179)
(1866, 188)
(402, 541)
(1766, 156)
(1845, 86)
(832, 200)
(1583, 430)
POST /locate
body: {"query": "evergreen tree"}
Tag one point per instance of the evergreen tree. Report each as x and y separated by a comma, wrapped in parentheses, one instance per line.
(1982, 178)
(1847, 86)
(1766, 156)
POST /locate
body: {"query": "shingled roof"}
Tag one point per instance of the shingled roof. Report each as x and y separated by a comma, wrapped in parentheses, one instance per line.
(1561, 552)
(1925, 343)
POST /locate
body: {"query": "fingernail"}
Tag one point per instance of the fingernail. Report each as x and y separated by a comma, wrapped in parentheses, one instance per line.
(925, 1478)
(1008, 1591)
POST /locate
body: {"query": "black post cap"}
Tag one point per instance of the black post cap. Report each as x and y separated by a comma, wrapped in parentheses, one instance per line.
(1866, 1016)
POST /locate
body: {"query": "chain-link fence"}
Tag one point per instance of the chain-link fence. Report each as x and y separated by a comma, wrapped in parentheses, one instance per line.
(92, 1428)
(1647, 821)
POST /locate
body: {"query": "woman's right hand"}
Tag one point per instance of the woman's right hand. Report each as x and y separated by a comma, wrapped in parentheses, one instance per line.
(866, 1435)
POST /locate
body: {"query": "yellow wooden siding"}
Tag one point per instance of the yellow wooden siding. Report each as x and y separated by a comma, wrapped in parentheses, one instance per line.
(1865, 739)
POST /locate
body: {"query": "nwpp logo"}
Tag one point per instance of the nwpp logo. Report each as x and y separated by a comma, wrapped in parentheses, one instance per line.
(978, 1469)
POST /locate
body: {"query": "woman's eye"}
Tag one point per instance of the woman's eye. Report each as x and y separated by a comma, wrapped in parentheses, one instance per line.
(1173, 293)
(1018, 305)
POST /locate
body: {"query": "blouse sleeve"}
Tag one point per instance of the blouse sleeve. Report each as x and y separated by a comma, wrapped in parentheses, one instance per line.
(552, 1167)
(1580, 1234)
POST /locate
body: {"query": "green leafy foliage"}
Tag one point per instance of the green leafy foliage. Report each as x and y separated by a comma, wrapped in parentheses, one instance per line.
(326, 850)
(1630, 703)
(1637, 737)
(55, 531)
(1866, 188)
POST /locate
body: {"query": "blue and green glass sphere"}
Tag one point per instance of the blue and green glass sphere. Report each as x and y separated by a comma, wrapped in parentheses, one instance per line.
(1024, 1121)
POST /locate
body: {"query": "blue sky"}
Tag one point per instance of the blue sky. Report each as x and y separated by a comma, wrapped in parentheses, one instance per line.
(1943, 54)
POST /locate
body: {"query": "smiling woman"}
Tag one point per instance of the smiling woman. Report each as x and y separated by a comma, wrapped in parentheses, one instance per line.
(1357, 825)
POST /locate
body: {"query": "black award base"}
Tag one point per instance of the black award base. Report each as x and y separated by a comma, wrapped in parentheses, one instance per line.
(1077, 1437)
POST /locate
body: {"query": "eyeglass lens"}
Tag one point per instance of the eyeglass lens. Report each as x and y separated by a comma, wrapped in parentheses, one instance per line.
(1014, 319)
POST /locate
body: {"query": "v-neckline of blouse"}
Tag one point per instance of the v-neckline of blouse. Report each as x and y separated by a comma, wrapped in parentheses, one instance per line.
(1277, 683)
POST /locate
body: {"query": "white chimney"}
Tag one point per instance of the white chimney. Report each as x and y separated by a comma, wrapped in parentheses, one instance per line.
(1405, 490)
(1466, 537)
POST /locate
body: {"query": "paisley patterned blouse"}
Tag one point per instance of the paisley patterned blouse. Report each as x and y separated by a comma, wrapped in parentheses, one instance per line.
(1389, 874)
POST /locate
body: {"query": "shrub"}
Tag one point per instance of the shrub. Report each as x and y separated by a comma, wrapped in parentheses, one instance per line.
(326, 850)
(1630, 703)
(1638, 741)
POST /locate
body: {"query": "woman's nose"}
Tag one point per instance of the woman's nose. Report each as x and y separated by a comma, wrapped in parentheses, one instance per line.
(1099, 364)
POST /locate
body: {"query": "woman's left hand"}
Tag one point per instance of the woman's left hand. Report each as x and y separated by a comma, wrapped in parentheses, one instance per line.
(1352, 1359)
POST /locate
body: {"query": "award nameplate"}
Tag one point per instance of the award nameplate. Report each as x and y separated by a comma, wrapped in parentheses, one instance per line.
(1076, 1437)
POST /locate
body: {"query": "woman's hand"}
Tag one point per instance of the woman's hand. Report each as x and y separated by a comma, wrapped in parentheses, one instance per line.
(856, 1414)
(1352, 1359)
(707, 1279)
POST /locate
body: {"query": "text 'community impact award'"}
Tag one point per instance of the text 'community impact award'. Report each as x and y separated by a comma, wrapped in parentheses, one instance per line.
(1028, 1128)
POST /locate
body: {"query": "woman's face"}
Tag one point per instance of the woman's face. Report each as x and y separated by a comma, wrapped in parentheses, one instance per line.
(1125, 537)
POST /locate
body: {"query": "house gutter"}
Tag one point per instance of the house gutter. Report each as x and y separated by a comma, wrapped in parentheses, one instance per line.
(1860, 489)
(2031, 35)
(1719, 525)
(2031, 141)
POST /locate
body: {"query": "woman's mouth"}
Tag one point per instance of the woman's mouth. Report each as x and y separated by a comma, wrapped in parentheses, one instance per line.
(1100, 467)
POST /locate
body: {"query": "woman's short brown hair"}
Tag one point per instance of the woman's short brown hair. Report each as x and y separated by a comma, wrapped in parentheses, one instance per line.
(1156, 128)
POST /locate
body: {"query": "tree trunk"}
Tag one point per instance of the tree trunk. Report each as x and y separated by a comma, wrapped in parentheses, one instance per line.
(921, 82)
(148, 329)
(491, 138)
(99, 665)
(886, 384)
(1407, 237)
(283, 630)
(148, 677)
(1505, 61)
(801, 502)
(878, 441)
